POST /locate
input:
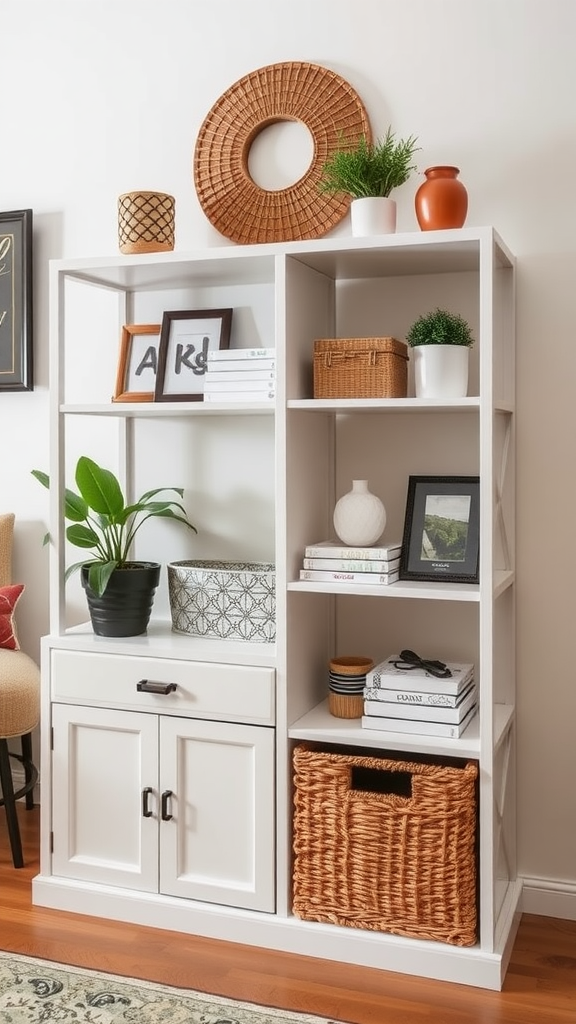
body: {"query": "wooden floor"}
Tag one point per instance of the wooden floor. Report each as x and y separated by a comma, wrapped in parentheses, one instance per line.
(540, 986)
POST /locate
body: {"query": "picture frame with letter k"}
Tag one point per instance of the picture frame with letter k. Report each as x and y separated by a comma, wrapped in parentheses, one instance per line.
(186, 337)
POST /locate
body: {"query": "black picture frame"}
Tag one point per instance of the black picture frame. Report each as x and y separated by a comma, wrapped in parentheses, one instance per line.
(186, 337)
(431, 552)
(16, 338)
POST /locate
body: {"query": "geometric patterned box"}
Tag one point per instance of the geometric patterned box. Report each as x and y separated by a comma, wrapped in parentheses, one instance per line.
(226, 600)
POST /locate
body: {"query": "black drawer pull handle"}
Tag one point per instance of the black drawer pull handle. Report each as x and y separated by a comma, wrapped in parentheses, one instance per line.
(166, 815)
(149, 686)
(146, 793)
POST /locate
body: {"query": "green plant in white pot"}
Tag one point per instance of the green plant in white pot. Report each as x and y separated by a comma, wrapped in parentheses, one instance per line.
(119, 590)
(368, 172)
(441, 343)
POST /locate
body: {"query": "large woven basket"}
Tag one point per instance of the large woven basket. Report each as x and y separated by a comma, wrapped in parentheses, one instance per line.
(386, 845)
(360, 368)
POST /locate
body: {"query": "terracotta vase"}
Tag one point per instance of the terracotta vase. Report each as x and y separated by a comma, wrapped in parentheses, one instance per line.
(442, 200)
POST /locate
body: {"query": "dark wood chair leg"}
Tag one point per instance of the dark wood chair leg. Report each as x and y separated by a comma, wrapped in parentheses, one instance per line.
(10, 805)
(28, 772)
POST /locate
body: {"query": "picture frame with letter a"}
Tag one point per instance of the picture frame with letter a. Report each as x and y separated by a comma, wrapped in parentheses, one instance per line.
(185, 340)
(137, 363)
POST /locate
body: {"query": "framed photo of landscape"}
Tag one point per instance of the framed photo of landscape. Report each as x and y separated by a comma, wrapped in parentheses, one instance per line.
(16, 346)
(441, 529)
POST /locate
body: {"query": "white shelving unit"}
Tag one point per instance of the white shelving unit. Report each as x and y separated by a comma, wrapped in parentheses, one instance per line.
(261, 483)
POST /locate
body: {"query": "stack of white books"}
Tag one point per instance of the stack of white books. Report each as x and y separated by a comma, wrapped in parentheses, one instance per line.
(411, 699)
(330, 562)
(240, 375)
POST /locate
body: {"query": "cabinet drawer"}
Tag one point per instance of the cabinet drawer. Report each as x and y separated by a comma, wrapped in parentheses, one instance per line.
(232, 693)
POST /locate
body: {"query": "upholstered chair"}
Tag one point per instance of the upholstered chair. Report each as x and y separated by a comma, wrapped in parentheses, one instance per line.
(19, 697)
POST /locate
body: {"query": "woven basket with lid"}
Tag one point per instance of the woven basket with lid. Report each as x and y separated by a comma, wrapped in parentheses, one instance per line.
(360, 368)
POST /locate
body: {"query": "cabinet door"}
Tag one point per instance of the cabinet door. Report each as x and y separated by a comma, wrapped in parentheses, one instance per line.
(102, 762)
(218, 845)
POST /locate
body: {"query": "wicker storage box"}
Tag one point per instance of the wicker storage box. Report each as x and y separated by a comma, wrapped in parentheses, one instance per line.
(386, 845)
(360, 368)
(228, 600)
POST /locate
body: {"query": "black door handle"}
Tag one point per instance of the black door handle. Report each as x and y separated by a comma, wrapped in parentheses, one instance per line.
(146, 793)
(166, 815)
(149, 686)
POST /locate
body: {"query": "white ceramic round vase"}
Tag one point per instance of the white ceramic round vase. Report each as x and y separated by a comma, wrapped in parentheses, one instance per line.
(373, 215)
(359, 516)
(441, 371)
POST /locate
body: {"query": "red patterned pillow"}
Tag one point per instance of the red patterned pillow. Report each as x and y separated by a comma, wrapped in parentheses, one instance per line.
(9, 597)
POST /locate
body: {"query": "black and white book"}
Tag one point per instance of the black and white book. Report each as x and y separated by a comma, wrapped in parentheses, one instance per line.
(266, 395)
(217, 374)
(381, 565)
(366, 578)
(224, 355)
(239, 365)
(416, 698)
(331, 549)
(422, 713)
(411, 726)
(387, 674)
(215, 384)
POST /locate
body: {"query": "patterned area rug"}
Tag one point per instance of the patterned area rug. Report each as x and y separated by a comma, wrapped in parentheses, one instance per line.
(41, 992)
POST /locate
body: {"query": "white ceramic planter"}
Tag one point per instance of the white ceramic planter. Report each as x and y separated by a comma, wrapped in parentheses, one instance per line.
(441, 371)
(373, 215)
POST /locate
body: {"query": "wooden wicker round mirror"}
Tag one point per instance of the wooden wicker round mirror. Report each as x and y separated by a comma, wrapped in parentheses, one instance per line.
(237, 207)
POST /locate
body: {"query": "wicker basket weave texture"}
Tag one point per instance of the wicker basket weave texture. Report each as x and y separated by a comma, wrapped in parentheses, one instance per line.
(381, 861)
(145, 222)
(293, 91)
(360, 368)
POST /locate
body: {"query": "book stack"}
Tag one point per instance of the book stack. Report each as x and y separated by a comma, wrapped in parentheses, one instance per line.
(240, 375)
(412, 700)
(329, 562)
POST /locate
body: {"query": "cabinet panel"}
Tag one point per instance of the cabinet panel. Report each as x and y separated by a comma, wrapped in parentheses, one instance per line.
(219, 843)
(102, 761)
(221, 691)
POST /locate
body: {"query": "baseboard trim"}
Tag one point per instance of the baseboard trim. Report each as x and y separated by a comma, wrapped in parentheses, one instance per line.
(549, 898)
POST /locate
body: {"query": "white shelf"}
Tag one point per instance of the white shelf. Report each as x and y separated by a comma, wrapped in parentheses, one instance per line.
(411, 405)
(405, 589)
(271, 482)
(160, 641)
(319, 726)
(159, 410)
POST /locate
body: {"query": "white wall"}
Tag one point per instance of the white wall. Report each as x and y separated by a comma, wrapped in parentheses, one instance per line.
(99, 97)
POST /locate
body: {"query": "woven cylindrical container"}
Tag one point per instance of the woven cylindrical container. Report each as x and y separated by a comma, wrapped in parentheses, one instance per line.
(346, 685)
(146, 222)
(387, 845)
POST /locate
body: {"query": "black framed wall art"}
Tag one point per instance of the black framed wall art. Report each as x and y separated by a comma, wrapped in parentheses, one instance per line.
(441, 529)
(16, 339)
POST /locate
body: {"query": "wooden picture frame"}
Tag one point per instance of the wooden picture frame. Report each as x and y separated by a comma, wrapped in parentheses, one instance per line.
(186, 338)
(137, 363)
(441, 529)
(16, 335)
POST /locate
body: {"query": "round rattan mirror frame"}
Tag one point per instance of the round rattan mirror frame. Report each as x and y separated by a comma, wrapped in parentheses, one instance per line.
(295, 91)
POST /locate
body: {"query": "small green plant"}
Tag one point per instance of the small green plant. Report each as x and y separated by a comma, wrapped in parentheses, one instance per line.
(104, 523)
(440, 328)
(366, 169)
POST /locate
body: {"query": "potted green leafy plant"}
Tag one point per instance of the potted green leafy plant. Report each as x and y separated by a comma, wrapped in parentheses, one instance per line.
(119, 591)
(441, 342)
(368, 172)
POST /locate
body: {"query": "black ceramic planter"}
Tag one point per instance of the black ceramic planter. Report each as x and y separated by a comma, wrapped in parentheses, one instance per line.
(126, 605)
